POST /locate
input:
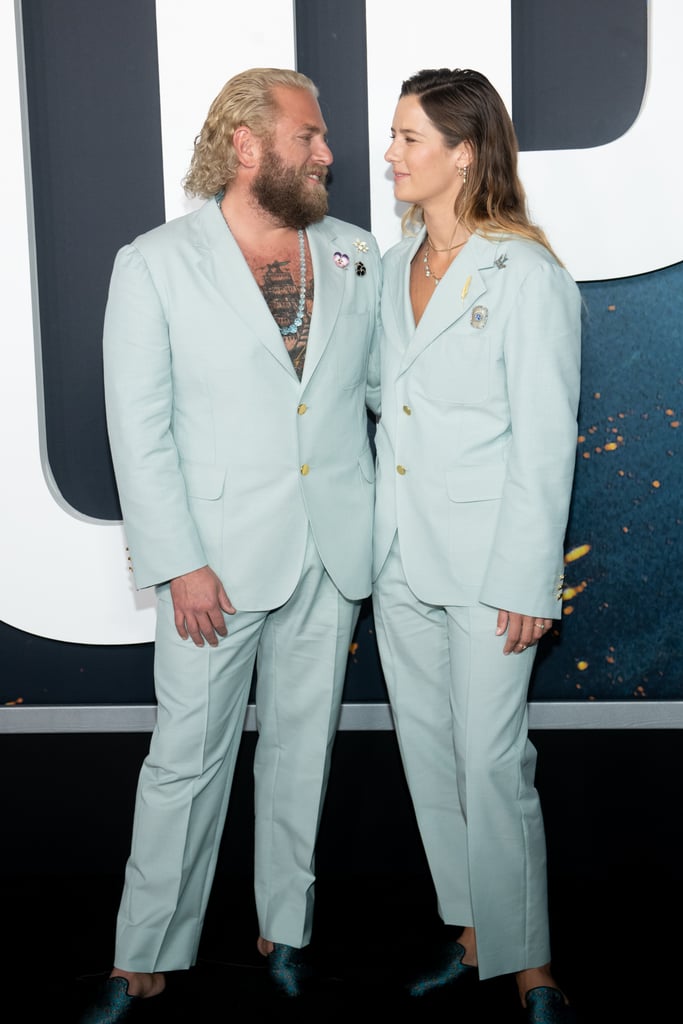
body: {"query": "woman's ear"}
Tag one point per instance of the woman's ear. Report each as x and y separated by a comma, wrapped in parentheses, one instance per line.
(464, 155)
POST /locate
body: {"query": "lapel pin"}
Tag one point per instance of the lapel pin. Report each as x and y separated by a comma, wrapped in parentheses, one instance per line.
(360, 268)
(480, 315)
(361, 245)
(341, 259)
(466, 288)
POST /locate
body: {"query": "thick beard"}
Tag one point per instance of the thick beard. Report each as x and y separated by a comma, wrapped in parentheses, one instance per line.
(282, 191)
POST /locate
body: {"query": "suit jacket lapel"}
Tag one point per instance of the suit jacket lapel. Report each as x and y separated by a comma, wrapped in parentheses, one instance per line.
(329, 282)
(454, 298)
(221, 261)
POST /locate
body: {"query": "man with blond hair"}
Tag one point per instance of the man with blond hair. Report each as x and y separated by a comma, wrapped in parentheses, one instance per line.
(239, 358)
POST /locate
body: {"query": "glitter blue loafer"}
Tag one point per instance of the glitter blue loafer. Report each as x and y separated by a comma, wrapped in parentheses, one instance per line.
(546, 1005)
(113, 1004)
(288, 970)
(446, 971)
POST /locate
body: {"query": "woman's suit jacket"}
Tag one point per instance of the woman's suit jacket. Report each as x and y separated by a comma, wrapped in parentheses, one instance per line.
(222, 456)
(476, 444)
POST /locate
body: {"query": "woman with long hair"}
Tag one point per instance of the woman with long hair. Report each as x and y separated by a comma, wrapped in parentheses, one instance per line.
(476, 447)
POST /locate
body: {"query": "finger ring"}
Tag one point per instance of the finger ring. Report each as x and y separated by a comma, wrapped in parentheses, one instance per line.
(539, 625)
(523, 646)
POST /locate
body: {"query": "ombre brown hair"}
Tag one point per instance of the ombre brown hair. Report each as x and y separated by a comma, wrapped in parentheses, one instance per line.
(246, 99)
(464, 106)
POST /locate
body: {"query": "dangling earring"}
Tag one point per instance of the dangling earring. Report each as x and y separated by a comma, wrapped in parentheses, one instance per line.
(462, 171)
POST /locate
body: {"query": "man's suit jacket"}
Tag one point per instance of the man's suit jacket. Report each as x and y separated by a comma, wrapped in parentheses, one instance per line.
(222, 456)
(476, 444)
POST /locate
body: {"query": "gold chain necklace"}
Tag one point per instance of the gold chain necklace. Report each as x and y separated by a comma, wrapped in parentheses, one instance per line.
(425, 259)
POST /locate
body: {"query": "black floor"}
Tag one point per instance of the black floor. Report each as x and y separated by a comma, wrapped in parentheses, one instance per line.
(613, 820)
(367, 931)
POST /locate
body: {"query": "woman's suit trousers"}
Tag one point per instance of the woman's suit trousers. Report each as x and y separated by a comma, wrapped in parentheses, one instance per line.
(460, 712)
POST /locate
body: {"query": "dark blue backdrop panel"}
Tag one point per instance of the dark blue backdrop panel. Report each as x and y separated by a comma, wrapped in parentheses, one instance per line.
(331, 49)
(578, 71)
(95, 136)
(621, 632)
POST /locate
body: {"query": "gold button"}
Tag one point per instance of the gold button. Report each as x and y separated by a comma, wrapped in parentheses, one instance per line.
(407, 410)
(304, 469)
(401, 469)
(301, 409)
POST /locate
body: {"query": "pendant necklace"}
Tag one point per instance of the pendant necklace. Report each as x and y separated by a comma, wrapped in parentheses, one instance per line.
(425, 259)
(299, 318)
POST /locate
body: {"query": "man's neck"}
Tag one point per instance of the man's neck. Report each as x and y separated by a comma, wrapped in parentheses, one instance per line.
(251, 225)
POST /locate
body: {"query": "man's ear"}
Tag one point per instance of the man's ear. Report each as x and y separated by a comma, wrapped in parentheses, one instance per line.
(247, 146)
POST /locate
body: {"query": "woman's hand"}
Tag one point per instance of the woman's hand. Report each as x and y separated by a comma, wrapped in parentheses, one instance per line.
(522, 630)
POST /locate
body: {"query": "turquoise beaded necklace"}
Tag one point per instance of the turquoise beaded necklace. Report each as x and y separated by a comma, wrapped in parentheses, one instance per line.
(299, 318)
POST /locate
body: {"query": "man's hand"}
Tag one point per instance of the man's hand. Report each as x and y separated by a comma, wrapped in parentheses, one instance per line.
(199, 601)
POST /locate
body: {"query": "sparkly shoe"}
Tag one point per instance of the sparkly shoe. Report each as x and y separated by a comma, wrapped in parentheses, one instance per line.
(288, 970)
(112, 1005)
(446, 971)
(546, 1005)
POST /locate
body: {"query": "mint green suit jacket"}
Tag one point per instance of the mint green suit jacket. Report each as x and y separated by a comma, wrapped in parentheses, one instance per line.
(476, 444)
(222, 456)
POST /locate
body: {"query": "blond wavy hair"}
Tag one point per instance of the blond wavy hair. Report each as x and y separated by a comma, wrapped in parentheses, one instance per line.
(246, 99)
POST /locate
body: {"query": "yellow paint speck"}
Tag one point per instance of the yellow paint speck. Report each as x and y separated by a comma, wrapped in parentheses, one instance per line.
(578, 552)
